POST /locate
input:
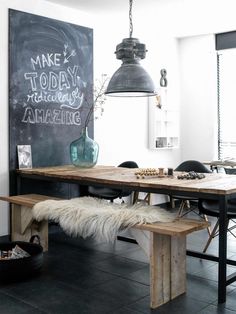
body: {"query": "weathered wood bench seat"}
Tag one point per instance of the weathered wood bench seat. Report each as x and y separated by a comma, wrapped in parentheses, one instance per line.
(23, 226)
(164, 243)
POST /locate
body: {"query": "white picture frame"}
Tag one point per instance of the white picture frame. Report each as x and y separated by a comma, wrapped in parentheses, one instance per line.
(24, 156)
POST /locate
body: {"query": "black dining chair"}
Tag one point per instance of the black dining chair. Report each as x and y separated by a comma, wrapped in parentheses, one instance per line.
(230, 170)
(109, 193)
(212, 208)
(187, 166)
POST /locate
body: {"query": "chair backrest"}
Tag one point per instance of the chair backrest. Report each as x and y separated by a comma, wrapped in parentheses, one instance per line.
(193, 165)
(129, 164)
(230, 170)
(109, 193)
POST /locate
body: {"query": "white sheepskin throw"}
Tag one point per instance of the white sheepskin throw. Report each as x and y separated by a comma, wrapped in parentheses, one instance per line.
(92, 217)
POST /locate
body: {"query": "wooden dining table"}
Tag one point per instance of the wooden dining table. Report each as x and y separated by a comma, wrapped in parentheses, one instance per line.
(216, 186)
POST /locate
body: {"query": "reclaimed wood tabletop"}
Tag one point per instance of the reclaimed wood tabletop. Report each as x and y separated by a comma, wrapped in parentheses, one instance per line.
(213, 183)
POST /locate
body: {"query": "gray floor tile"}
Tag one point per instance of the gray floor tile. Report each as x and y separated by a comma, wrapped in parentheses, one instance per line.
(120, 266)
(12, 305)
(180, 305)
(213, 309)
(83, 277)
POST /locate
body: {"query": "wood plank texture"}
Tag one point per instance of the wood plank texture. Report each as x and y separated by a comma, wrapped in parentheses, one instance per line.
(167, 268)
(178, 266)
(180, 226)
(23, 227)
(26, 218)
(160, 272)
(28, 200)
(214, 183)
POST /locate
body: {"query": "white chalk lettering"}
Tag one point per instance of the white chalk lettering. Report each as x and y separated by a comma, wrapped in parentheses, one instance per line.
(57, 59)
(51, 117)
(76, 118)
(59, 117)
(36, 62)
(53, 79)
(28, 116)
(39, 113)
(71, 100)
(73, 73)
(50, 82)
(63, 81)
(50, 59)
(48, 116)
(32, 76)
(43, 79)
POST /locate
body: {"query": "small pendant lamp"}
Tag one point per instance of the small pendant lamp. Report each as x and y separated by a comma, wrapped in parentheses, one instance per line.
(130, 80)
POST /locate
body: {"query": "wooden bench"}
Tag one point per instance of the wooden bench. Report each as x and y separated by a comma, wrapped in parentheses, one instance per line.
(23, 226)
(164, 244)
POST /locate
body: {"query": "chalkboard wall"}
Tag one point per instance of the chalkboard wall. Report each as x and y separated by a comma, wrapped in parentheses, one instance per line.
(50, 87)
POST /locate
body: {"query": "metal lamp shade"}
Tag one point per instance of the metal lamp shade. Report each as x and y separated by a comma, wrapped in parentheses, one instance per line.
(131, 80)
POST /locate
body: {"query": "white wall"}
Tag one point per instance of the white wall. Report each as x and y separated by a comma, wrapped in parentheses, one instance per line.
(198, 102)
(122, 132)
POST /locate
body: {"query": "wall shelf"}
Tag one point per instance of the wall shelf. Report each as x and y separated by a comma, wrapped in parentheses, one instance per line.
(163, 125)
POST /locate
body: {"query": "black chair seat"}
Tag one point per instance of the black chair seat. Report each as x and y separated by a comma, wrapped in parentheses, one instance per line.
(188, 166)
(211, 208)
(192, 165)
(111, 194)
(230, 170)
(106, 193)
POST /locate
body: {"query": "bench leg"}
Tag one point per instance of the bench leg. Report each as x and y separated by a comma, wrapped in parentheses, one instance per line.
(23, 226)
(167, 268)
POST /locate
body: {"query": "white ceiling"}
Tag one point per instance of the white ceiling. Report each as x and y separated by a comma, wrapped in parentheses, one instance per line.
(104, 5)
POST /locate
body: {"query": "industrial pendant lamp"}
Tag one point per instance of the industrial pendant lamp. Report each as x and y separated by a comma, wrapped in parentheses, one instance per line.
(130, 80)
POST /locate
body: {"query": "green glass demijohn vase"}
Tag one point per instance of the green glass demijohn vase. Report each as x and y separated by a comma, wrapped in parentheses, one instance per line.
(84, 151)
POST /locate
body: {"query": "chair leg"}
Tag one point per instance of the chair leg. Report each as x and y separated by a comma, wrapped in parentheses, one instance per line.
(172, 202)
(135, 197)
(208, 228)
(232, 228)
(187, 204)
(181, 208)
(146, 199)
(212, 235)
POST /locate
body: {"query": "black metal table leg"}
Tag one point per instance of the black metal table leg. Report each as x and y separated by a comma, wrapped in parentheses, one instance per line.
(18, 185)
(222, 250)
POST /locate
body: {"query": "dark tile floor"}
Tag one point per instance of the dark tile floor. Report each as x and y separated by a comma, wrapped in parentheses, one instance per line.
(81, 276)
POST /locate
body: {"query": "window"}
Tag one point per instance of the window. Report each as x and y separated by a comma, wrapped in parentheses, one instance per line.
(226, 62)
(226, 78)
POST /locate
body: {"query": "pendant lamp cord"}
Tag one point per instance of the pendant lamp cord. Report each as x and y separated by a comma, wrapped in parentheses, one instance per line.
(130, 19)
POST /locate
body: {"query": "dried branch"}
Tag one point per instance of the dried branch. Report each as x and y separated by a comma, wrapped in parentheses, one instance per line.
(99, 98)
